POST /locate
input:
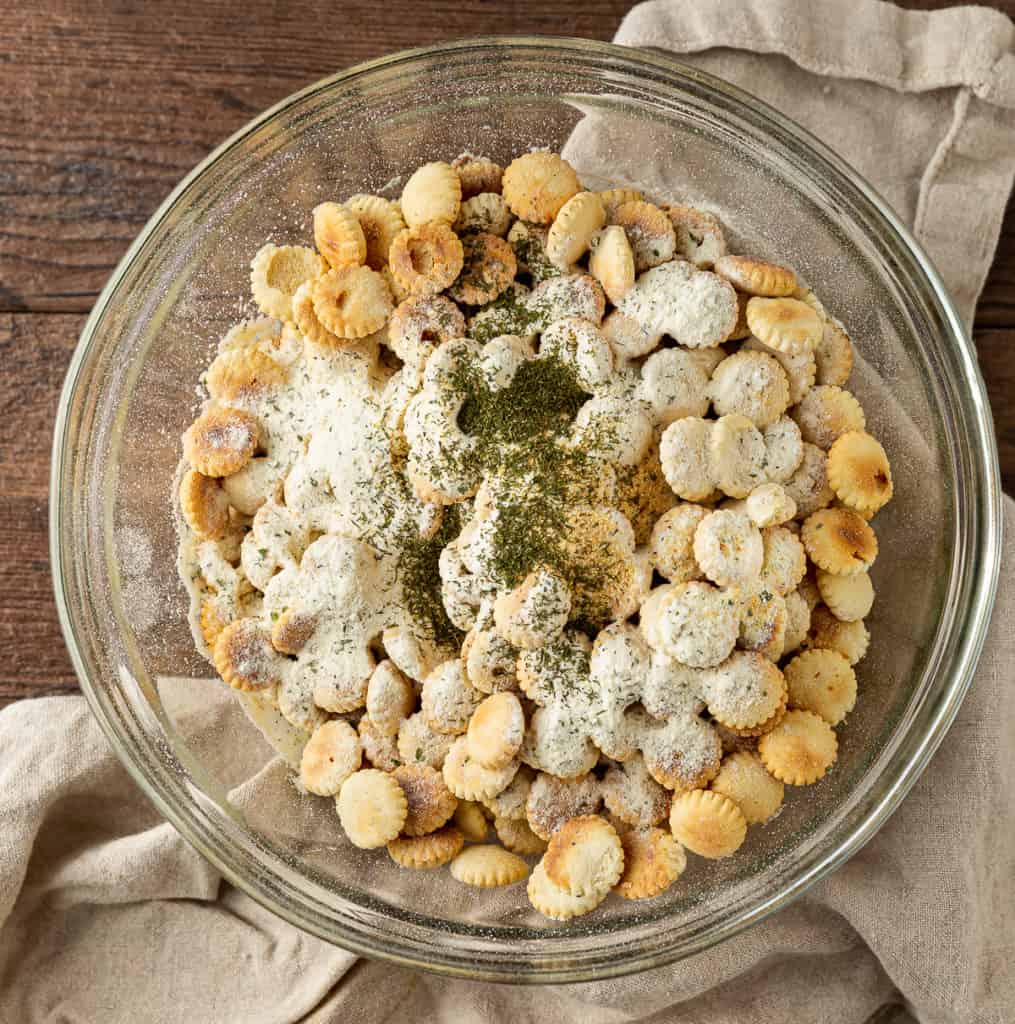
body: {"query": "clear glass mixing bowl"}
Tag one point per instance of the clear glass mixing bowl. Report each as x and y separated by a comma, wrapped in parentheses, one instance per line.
(632, 116)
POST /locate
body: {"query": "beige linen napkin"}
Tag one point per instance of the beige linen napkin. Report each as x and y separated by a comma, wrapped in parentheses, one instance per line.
(108, 915)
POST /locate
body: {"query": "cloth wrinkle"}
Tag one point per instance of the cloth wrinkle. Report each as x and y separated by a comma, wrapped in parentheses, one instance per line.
(940, 157)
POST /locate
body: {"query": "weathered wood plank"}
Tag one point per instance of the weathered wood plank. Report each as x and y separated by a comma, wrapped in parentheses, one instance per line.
(34, 352)
(997, 362)
(997, 303)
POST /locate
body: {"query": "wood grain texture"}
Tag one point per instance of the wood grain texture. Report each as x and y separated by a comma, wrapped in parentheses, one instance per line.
(34, 352)
(104, 106)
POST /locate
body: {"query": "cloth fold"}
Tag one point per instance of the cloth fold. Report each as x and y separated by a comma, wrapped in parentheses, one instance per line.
(106, 914)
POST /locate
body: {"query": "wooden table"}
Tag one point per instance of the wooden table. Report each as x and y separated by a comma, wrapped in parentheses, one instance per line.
(104, 106)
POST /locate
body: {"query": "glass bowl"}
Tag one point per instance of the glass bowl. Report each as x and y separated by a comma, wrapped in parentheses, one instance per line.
(619, 114)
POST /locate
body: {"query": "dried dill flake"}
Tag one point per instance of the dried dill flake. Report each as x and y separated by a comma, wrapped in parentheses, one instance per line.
(517, 430)
(535, 491)
(559, 665)
(418, 571)
(528, 242)
(507, 314)
(538, 483)
(528, 533)
(544, 397)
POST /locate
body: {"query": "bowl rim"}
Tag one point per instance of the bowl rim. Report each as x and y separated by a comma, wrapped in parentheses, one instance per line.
(987, 526)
